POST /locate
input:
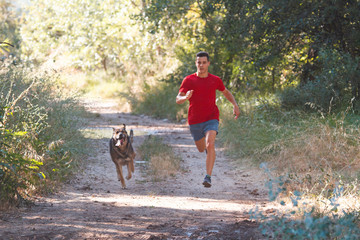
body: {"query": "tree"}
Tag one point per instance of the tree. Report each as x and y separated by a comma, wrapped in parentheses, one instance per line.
(271, 43)
(93, 34)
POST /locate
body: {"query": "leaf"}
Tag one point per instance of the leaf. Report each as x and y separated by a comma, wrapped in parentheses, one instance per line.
(294, 202)
(33, 167)
(308, 222)
(41, 175)
(38, 163)
(20, 133)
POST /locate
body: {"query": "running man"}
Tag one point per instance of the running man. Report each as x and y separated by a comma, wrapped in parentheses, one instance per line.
(203, 114)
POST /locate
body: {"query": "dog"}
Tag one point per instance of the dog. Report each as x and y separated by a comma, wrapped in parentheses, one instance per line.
(122, 152)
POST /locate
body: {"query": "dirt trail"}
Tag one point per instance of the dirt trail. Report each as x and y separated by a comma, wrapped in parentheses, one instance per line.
(93, 206)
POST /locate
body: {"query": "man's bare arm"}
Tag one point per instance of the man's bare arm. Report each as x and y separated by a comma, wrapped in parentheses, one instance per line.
(230, 97)
(182, 97)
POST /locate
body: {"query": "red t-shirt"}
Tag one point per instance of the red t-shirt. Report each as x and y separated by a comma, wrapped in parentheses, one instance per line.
(202, 103)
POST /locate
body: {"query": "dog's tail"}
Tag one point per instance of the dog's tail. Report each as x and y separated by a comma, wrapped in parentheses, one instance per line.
(131, 136)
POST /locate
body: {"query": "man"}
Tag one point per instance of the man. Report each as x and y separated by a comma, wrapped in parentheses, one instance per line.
(203, 115)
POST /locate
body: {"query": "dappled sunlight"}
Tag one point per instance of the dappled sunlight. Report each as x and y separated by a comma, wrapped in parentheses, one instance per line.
(169, 202)
(110, 215)
(94, 205)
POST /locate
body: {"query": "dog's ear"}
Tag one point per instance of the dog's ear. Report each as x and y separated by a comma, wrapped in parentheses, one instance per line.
(131, 136)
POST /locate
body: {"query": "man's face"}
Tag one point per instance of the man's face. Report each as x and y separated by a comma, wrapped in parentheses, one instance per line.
(202, 64)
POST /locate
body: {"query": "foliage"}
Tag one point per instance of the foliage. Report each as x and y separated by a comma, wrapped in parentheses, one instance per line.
(92, 34)
(332, 89)
(269, 44)
(314, 150)
(162, 161)
(259, 127)
(9, 36)
(13, 166)
(38, 134)
(159, 102)
(302, 220)
(311, 161)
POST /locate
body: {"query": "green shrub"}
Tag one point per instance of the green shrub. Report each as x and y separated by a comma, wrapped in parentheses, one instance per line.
(13, 167)
(39, 134)
(333, 87)
(261, 128)
(312, 157)
(303, 219)
(314, 150)
(159, 101)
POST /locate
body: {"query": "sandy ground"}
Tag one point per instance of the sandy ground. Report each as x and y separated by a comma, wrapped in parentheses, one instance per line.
(93, 205)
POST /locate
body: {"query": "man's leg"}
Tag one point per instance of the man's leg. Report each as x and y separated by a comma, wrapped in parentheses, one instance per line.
(201, 145)
(210, 146)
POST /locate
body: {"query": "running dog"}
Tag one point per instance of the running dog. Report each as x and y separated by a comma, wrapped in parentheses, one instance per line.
(122, 152)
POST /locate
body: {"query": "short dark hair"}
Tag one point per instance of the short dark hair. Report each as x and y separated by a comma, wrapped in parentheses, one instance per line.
(203, 54)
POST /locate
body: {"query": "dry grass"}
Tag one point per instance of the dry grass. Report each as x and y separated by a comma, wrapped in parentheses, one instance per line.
(163, 165)
(162, 161)
(317, 160)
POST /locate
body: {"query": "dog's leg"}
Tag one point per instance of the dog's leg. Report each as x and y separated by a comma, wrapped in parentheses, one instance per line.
(120, 175)
(132, 167)
(129, 168)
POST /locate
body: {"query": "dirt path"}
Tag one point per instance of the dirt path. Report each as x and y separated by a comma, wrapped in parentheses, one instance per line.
(93, 206)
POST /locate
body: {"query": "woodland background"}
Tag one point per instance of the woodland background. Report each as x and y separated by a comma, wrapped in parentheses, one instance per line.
(293, 66)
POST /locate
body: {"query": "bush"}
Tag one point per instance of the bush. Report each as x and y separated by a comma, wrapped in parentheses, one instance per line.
(304, 219)
(38, 134)
(159, 101)
(314, 164)
(13, 167)
(333, 87)
(314, 151)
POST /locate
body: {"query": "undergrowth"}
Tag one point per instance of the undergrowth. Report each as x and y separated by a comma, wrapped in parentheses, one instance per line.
(159, 102)
(314, 163)
(312, 150)
(161, 160)
(39, 137)
(301, 217)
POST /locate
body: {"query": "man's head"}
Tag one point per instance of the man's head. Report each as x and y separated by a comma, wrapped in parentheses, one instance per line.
(203, 54)
(202, 63)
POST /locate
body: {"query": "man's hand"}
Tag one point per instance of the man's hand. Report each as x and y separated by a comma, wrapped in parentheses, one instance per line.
(230, 97)
(182, 97)
(236, 111)
(189, 94)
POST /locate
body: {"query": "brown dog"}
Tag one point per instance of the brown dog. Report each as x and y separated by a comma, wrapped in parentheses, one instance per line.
(122, 152)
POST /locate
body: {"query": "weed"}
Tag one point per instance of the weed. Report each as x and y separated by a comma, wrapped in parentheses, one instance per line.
(162, 161)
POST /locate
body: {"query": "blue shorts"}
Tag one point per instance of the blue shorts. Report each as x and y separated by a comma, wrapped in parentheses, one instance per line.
(199, 130)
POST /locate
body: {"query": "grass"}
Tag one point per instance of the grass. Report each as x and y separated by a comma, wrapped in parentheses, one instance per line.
(314, 164)
(39, 134)
(159, 101)
(305, 147)
(162, 161)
